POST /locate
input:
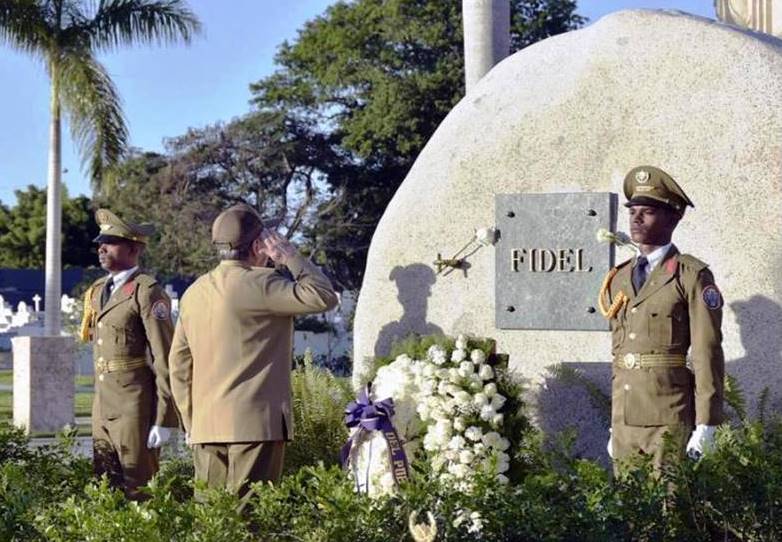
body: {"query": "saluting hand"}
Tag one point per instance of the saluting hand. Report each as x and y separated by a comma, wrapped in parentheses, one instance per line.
(277, 247)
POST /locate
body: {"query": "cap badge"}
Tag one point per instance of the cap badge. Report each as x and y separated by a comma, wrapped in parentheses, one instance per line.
(642, 176)
(104, 227)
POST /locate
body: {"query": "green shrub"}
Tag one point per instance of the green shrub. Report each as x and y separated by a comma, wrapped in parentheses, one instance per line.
(733, 493)
(319, 401)
(32, 479)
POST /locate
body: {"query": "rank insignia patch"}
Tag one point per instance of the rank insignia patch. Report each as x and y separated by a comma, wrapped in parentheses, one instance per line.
(712, 297)
(160, 310)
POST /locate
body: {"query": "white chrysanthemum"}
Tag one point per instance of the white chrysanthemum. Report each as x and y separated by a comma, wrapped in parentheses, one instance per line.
(503, 444)
(486, 372)
(458, 355)
(463, 399)
(497, 420)
(479, 448)
(457, 443)
(480, 399)
(430, 442)
(461, 342)
(501, 478)
(474, 433)
(491, 439)
(454, 376)
(487, 413)
(476, 383)
(459, 424)
(429, 370)
(466, 457)
(459, 470)
(477, 356)
(442, 387)
(437, 354)
(427, 388)
(442, 373)
(490, 389)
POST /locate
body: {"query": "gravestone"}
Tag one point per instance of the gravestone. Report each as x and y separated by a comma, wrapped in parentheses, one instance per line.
(572, 114)
(43, 383)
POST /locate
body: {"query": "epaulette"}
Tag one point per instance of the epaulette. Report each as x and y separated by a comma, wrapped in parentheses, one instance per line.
(145, 280)
(691, 262)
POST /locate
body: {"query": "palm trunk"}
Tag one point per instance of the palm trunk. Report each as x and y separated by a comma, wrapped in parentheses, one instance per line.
(53, 290)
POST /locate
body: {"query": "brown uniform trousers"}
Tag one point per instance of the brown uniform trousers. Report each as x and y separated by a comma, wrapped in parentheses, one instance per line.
(132, 391)
(678, 310)
(231, 364)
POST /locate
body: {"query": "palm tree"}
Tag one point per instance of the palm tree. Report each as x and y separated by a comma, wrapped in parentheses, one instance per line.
(66, 36)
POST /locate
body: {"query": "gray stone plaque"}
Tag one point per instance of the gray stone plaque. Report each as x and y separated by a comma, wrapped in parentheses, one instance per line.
(549, 263)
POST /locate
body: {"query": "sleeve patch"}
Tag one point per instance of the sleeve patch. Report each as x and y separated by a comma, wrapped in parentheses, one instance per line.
(160, 310)
(712, 297)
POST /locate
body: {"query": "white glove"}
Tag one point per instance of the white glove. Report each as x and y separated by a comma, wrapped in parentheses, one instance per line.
(157, 436)
(610, 445)
(701, 440)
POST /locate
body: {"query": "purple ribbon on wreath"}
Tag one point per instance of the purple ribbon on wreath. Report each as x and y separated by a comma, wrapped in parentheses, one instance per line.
(368, 416)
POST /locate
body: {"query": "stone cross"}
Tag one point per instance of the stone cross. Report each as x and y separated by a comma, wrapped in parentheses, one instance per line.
(37, 301)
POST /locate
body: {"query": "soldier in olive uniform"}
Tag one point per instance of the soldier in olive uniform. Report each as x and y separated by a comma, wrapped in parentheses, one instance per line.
(231, 355)
(662, 305)
(127, 318)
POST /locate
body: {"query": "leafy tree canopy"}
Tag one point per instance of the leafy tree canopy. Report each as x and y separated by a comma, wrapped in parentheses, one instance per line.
(23, 230)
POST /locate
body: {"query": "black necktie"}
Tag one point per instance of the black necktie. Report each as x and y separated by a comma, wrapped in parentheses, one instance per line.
(105, 294)
(639, 273)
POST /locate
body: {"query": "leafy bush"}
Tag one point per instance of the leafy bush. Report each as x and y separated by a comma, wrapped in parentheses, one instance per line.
(319, 401)
(34, 478)
(733, 493)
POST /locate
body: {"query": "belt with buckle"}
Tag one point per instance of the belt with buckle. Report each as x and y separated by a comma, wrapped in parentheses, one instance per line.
(646, 361)
(116, 365)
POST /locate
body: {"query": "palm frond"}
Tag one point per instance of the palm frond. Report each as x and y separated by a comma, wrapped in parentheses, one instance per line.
(130, 22)
(23, 26)
(94, 111)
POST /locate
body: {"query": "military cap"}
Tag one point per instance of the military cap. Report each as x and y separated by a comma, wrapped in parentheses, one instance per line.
(113, 227)
(238, 226)
(648, 185)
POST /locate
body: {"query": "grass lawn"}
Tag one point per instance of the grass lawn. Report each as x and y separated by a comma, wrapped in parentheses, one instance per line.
(7, 378)
(82, 407)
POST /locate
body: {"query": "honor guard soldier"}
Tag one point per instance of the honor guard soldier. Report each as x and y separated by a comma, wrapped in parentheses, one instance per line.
(127, 318)
(662, 305)
(231, 355)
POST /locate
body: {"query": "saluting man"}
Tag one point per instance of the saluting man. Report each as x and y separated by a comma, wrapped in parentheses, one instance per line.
(662, 305)
(231, 355)
(127, 318)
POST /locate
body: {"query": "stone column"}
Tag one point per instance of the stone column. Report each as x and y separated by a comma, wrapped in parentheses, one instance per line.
(43, 383)
(760, 15)
(486, 37)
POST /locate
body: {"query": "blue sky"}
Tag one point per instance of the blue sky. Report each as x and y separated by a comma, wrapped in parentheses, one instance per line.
(167, 90)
